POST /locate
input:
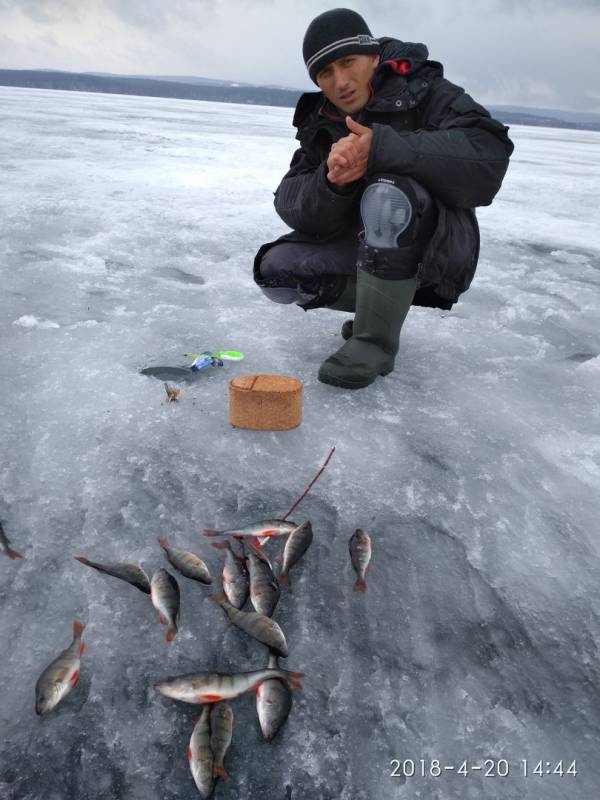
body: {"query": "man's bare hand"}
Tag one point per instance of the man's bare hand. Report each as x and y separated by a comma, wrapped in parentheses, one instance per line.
(341, 176)
(349, 156)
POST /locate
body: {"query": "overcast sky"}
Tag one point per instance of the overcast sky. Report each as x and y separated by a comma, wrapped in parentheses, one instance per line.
(523, 52)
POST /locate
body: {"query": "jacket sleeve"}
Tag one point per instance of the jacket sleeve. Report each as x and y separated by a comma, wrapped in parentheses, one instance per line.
(460, 155)
(307, 202)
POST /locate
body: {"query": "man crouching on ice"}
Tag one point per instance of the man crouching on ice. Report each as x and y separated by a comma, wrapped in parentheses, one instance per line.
(393, 159)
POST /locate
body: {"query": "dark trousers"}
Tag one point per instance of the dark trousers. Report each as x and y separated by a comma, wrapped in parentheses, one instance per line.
(293, 272)
(305, 262)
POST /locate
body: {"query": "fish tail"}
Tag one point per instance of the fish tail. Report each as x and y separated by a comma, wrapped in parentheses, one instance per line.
(293, 679)
(218, 598)
(219, 771)
(208, 532)
(12, 553)
(224, 545)
(163, 543)
(360, 585)
(78, 628)
(82, 559)
(172, 632)
(284, 579)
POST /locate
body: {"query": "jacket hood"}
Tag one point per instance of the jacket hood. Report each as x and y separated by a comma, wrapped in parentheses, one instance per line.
(396, 50)
(396, 56)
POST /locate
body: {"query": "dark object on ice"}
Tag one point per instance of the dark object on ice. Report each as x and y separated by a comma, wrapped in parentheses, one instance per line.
(201, 362)
(131, 573)
(5, 545)
(171, 373)
(580, 358)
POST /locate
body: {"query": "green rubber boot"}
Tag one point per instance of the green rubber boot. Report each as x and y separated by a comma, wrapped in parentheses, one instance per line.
(347, 300)
(381, 308)
(347, 329)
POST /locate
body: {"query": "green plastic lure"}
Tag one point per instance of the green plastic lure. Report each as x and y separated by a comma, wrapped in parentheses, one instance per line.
(202, 360)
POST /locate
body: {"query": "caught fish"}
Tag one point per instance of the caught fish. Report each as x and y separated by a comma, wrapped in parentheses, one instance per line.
(261, 628)
(5, 545)
(212, 687)
(131, 573)
(264, 586)
(273, 702)
(259, 531)
(59, 677)
(200, 755)
(296, 545)
(360, 555)
(221, 730)
(189, 564)
(164, 591)
(235, 576)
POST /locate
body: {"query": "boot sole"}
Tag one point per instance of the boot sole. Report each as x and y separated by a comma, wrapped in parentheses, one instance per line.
(333, 380)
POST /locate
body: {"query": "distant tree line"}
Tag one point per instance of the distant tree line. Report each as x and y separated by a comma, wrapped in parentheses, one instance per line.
(220, 92)
(148, 87)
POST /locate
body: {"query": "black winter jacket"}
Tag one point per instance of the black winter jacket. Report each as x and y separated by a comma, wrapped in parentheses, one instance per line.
(424, 127)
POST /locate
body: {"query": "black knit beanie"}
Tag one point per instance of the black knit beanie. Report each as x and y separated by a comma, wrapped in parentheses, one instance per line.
(335, 34)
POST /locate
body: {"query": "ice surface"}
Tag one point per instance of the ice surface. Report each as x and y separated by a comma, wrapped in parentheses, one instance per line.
(127, 232)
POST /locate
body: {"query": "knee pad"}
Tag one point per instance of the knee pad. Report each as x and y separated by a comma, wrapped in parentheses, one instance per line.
(399, 216)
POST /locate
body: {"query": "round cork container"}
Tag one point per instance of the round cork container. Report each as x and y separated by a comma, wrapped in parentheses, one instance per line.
(265, 402)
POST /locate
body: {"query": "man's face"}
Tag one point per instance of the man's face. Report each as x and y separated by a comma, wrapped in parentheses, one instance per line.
(345, 82)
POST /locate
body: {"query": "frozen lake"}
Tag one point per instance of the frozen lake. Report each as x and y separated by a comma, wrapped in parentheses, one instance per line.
(128, 228)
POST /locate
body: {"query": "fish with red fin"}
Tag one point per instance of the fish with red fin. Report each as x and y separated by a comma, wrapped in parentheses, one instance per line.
(61, 675)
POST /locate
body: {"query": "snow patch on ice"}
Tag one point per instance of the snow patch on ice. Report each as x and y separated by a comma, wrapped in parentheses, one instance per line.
(569, 258)
(29, 321)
